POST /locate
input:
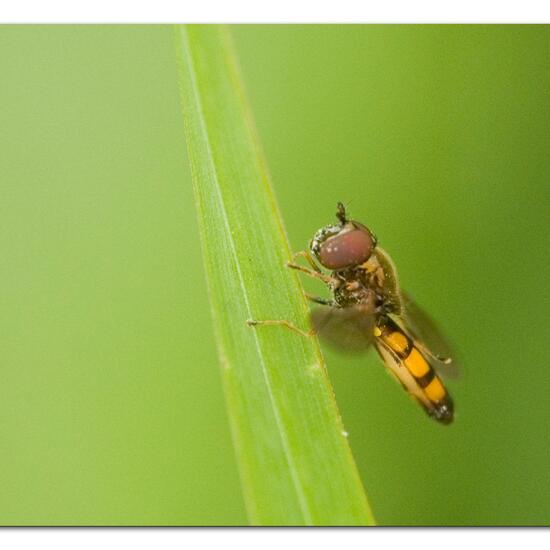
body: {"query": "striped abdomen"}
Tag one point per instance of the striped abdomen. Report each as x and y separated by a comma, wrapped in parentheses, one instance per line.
(414, 371)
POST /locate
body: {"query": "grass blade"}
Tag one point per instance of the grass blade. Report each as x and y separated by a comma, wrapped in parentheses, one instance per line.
(295, 462)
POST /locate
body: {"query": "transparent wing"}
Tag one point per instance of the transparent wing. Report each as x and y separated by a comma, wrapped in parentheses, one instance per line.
(350, 329)
(425, 332)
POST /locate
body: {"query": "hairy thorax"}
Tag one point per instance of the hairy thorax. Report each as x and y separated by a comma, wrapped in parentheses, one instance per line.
(365, 285)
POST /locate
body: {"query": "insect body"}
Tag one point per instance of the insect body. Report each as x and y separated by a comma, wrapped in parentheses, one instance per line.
(413, 369)
(368, 307)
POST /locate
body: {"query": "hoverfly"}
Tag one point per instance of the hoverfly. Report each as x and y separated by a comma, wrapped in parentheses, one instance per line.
(369, 308)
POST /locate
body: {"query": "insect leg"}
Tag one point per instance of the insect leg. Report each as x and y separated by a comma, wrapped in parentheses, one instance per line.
(282, 323)
(305, 254)
(319, 300)
(315, 274)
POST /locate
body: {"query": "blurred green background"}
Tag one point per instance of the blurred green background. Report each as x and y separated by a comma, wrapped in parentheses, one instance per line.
(438, 137)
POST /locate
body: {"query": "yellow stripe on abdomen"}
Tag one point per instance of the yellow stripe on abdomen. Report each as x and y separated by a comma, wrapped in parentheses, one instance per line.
(397, 342)
(417, 365)
(435, 390)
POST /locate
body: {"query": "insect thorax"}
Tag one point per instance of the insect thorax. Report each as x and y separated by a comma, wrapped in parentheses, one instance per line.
(350, 292)
(363, 285)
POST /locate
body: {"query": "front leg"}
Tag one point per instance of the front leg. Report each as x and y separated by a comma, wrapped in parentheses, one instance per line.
(281, 323)
(309, 259)
(316, 273)
(327, 279)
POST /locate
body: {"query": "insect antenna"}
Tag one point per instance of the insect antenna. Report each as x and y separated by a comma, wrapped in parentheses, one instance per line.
(341, 213)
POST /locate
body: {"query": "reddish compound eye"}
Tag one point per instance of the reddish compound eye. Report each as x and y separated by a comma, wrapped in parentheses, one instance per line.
(347, 249)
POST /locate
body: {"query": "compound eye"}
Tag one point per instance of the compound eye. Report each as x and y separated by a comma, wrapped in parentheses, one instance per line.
(347, 249)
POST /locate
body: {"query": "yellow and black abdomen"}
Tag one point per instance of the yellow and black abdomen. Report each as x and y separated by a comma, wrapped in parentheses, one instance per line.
(415, 372)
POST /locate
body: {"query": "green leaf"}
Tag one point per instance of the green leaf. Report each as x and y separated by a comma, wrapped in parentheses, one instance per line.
(295, 462)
